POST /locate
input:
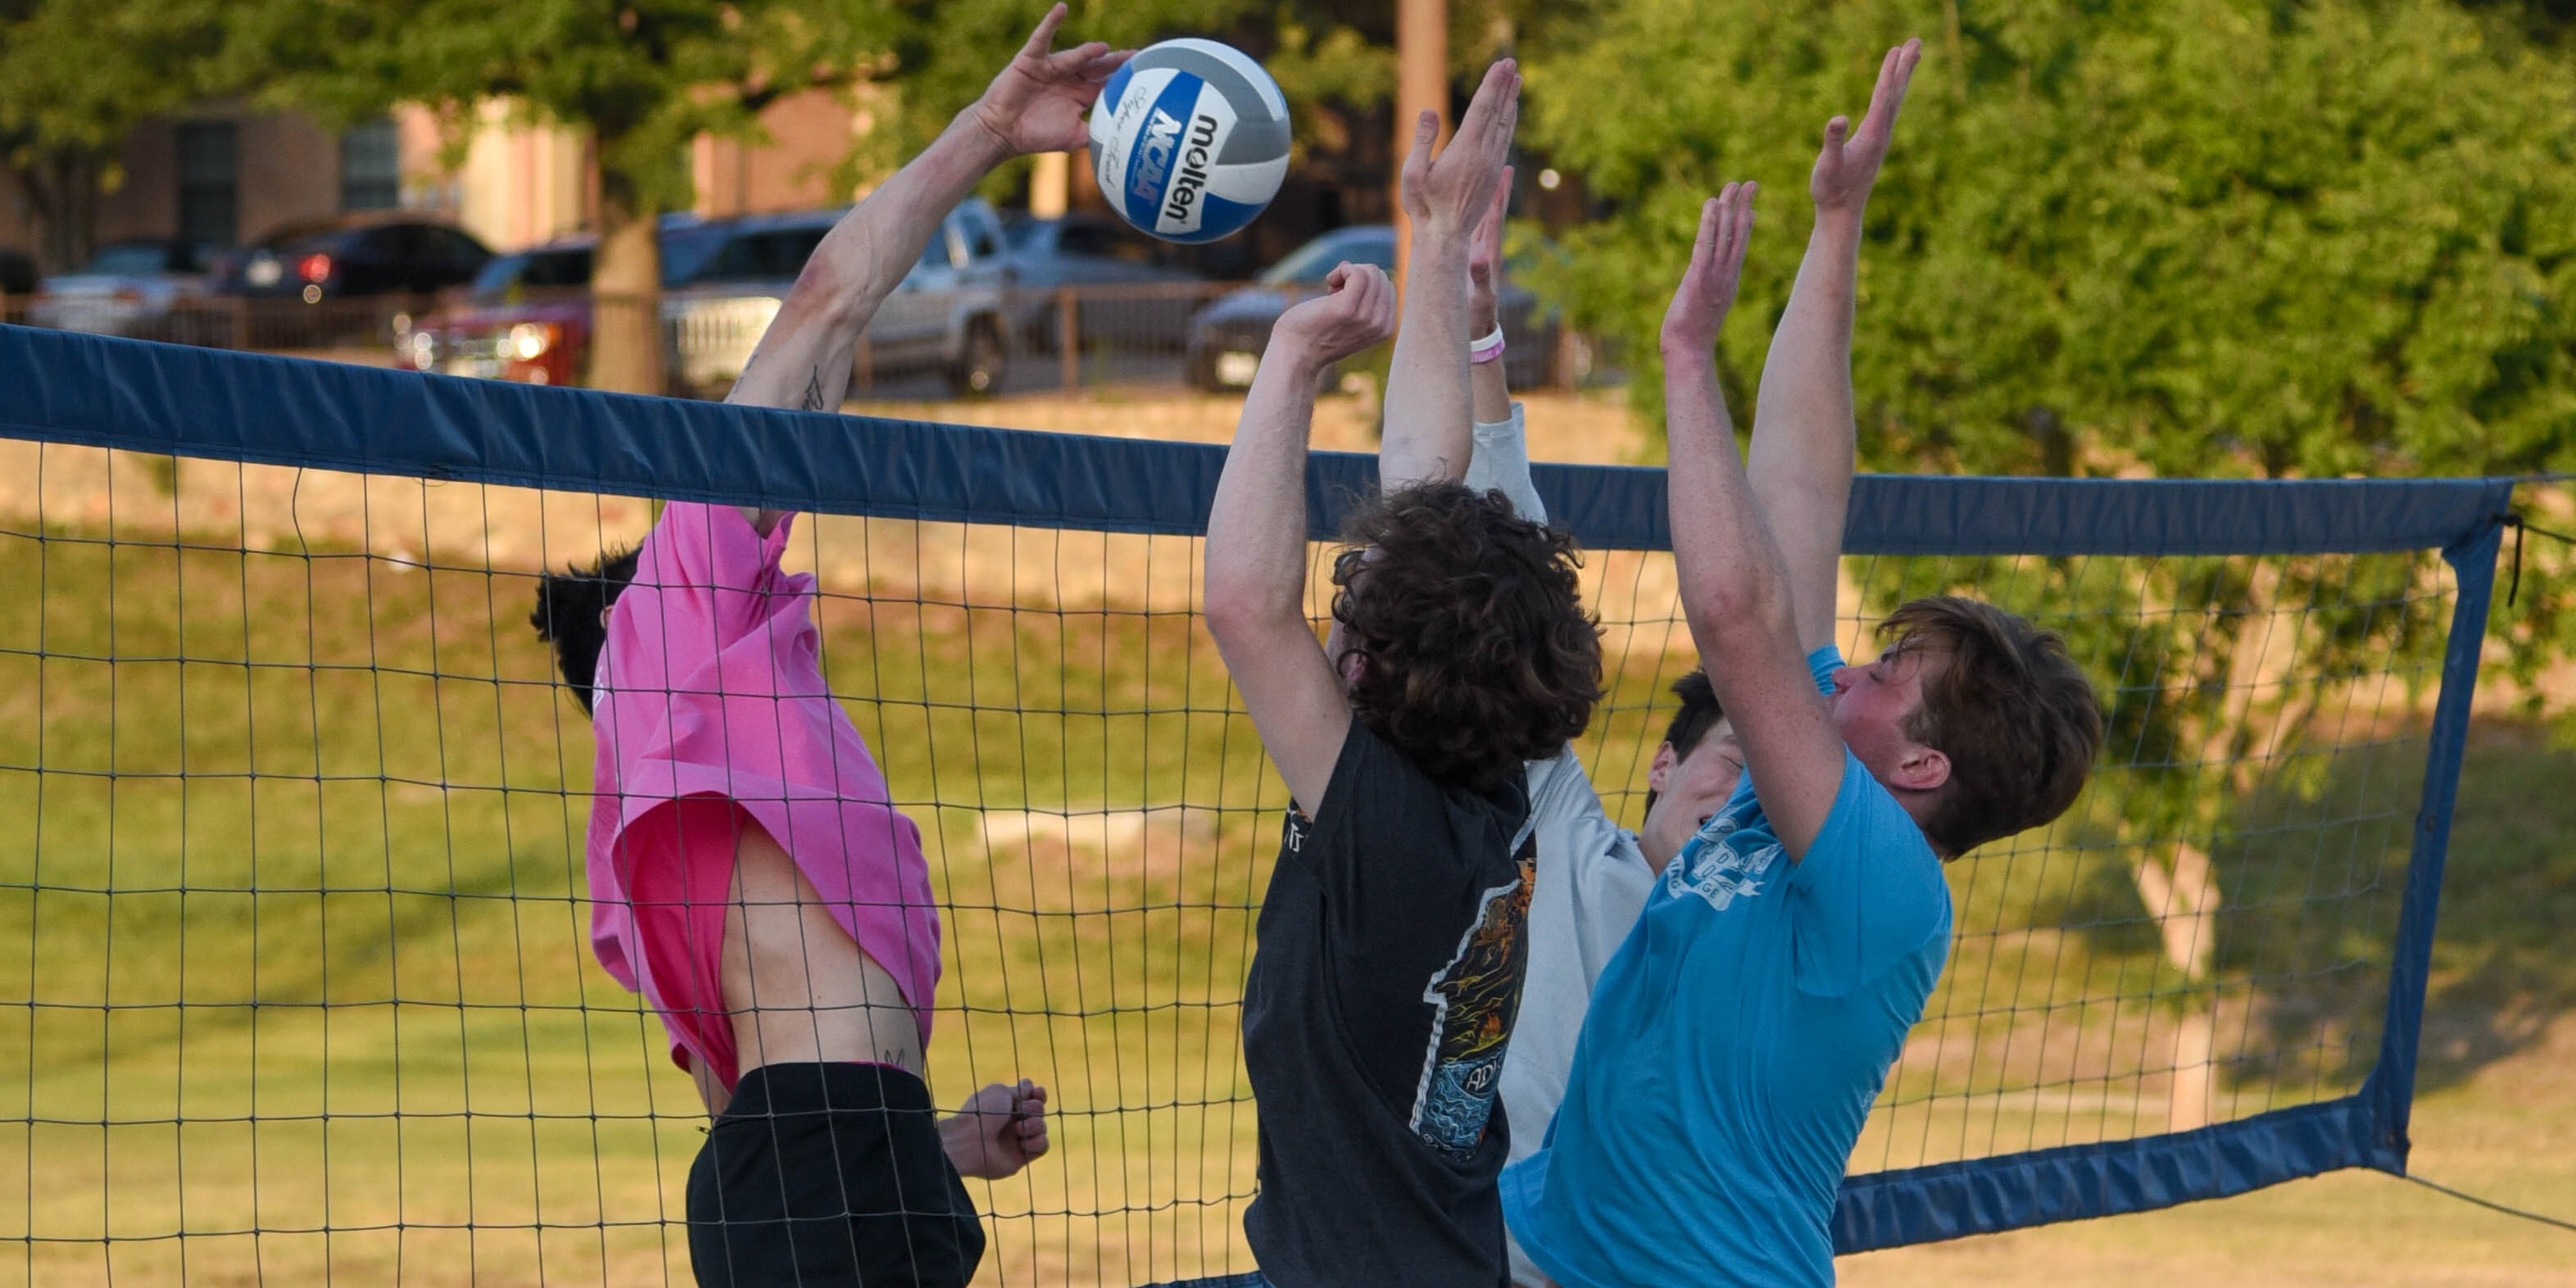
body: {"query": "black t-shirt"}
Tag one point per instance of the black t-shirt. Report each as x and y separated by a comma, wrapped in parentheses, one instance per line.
(1381, 996)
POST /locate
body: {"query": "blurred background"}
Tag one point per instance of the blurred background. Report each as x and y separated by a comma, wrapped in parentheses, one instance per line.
(2200, 238)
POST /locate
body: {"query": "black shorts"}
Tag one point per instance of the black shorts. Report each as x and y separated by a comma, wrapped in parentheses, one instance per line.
(829, 1176)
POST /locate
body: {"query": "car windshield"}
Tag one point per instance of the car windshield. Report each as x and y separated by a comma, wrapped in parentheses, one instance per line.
(307, 241)
(500, 274)
(139, 259)
(536, 268)
(1310, 263)
(685, 251)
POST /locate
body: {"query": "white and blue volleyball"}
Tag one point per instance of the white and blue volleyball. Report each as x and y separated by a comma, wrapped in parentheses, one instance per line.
(1190, 140)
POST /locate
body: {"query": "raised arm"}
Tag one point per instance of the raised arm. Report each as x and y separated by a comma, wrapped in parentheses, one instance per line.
(1735, 587)
(1499, 459)
(1489, 394)
(1802, 456)
(1427, 391)
(1255, 593)
(1036, 104)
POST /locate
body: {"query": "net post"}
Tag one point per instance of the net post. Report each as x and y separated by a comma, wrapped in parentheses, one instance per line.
(2389, 1093)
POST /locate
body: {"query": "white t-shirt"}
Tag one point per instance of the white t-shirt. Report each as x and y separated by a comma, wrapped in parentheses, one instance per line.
(1592, 882)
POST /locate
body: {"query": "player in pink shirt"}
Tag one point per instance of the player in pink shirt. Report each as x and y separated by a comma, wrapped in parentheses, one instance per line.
(749, 872)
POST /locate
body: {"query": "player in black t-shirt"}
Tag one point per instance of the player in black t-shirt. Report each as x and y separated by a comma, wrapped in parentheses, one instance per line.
(1392, 947)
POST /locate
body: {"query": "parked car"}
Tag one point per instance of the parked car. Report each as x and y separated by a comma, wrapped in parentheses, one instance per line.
(525, 317)
(946, 315)
(131, 288)
(1228, 336)
(722, 283)
(353, 256)
(1080, 250)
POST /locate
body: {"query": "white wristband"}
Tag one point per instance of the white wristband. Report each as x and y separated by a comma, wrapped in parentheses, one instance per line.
(1488, 348)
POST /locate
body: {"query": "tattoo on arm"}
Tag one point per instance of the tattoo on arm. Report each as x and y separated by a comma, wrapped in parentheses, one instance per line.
(813, 400)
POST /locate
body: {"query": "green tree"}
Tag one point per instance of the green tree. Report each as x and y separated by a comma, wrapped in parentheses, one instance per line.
(76, 76)
(2199, 237)
(2211, 236)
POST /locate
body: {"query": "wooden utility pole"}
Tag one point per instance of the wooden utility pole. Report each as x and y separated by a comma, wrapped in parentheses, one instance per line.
(1421, 84)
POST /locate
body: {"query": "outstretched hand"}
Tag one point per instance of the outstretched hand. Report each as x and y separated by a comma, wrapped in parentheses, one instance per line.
(1848, 165)
(1707, 291)
(1356, 311)
(1485, 262)
(1036, 104)
(998, 1130)
(1447, 195)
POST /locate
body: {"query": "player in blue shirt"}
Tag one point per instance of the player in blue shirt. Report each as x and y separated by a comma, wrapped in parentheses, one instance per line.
(1736, 1040)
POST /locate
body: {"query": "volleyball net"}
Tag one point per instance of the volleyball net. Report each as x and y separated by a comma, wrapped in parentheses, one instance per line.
(295, 980)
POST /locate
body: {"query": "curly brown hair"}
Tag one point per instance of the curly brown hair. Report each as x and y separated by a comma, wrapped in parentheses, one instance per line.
(1476, 653)
(2009, 707)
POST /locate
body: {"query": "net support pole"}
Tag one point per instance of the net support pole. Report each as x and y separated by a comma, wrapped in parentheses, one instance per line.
(2390, 1090)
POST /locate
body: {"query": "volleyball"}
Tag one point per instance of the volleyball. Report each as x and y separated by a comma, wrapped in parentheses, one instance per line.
(1190, 140)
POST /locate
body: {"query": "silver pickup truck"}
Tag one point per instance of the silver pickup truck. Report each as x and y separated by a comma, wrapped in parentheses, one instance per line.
(946, 316)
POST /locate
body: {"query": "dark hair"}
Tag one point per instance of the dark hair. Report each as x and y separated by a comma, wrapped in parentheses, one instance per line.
(1477, 654)
(1700, 713)
(572, 614)
(2012, 711)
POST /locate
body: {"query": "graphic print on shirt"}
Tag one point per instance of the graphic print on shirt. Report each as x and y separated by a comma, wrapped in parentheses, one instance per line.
(1474, 1000)
(1722, 863)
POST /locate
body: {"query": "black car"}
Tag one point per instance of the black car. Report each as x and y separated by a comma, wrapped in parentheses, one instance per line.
(1227, 337)
(372, 255)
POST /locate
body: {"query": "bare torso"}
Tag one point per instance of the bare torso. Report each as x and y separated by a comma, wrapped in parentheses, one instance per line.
(797, 987)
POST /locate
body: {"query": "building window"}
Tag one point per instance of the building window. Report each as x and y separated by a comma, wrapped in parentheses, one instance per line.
(370, 168)
(209, 183)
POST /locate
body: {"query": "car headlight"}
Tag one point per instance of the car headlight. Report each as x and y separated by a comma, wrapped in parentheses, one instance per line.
(527, 340)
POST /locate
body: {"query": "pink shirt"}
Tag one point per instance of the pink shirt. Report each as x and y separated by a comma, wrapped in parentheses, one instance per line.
(711, 710)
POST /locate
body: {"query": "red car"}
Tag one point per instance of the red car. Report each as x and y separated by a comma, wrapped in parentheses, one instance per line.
(526, 318)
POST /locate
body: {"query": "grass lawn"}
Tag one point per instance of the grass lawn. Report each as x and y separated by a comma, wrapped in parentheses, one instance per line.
(294, 951)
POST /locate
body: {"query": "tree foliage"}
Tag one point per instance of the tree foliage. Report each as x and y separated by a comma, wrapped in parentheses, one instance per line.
(2212, 237)
(76, 77)
(644, 77)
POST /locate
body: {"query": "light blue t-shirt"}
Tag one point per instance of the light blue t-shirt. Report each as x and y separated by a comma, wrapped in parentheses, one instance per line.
(1733, 1048)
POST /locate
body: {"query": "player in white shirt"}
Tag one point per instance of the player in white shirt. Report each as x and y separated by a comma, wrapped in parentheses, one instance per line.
(1593, 874)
